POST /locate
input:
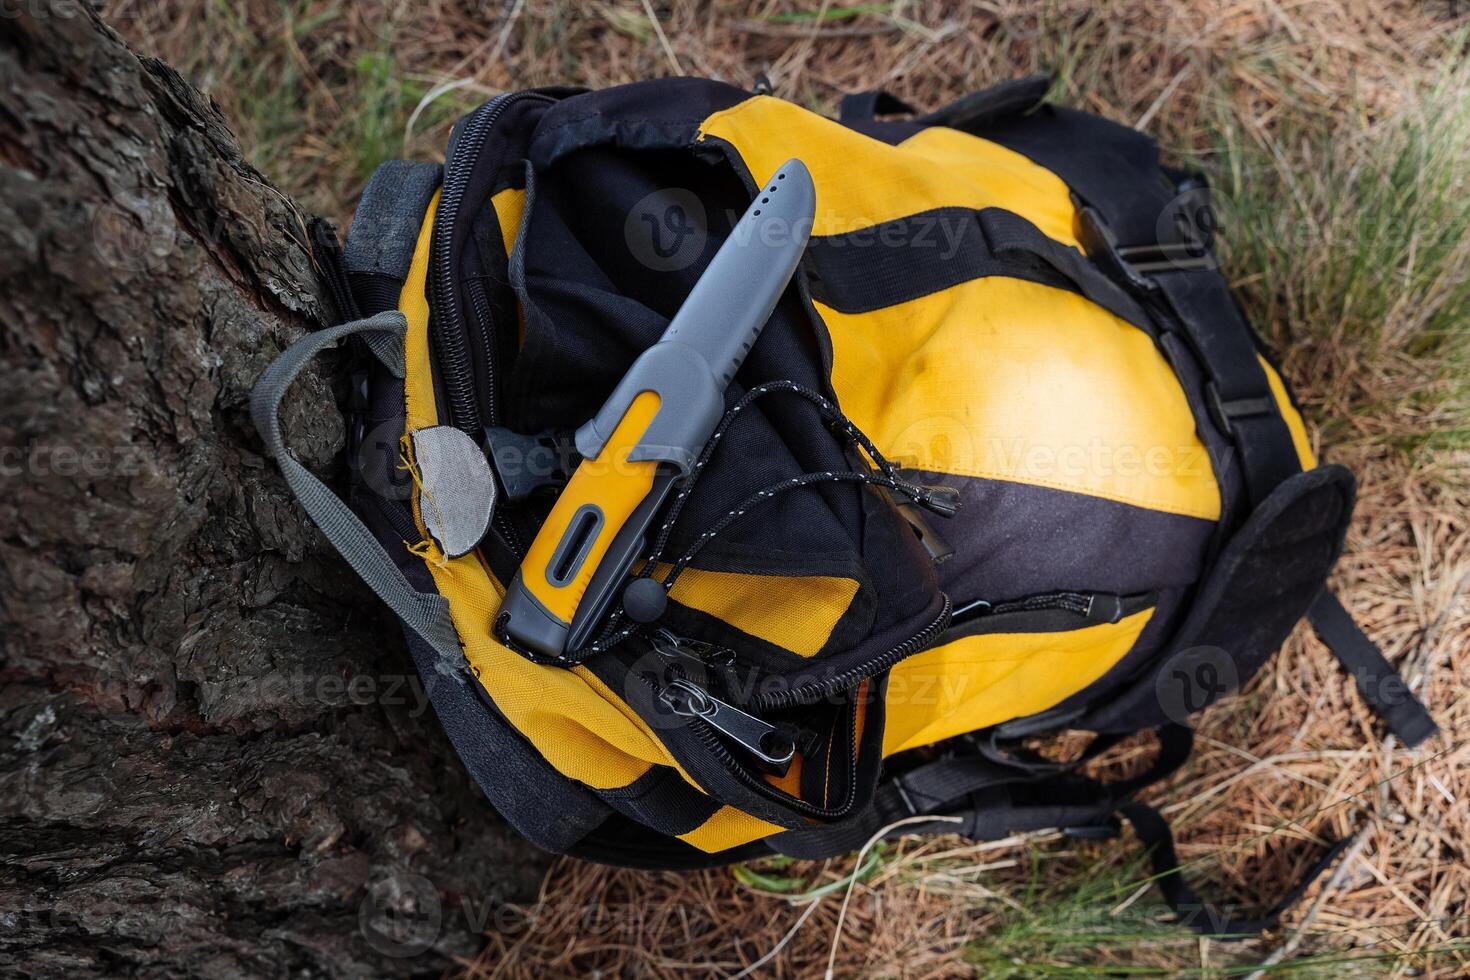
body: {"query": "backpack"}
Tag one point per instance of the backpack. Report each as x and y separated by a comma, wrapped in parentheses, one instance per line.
(1006, 460)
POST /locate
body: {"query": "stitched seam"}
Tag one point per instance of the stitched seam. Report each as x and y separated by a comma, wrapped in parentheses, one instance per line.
(727, 113)
(827, 766)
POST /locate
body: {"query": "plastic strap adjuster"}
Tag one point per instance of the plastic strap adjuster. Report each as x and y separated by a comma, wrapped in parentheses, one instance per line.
(1137, 264)
(1225, 412)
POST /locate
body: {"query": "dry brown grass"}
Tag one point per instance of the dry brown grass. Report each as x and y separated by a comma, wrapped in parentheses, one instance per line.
(323, 92)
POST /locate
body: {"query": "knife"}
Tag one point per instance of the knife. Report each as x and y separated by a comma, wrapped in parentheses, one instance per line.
(647, 435)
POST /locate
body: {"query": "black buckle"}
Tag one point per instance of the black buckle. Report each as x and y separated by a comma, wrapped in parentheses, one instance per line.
(526, 463)
(1224, 413)
(1136, 264)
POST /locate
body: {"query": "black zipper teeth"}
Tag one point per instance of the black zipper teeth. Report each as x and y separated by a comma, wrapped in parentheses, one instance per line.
(451, 341)
(1077, 602)
(815, 691)
(453, 357)
(484, 336)
(508, 534)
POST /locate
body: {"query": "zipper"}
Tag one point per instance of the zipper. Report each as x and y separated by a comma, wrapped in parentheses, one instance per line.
(1048, 612)
(484, 336)
(452, 340)
(1080, 603)
(457, 348)
(817, 690)
(695, 657)
(710, 738)
(707, 654)
(761, 739)
(748, 731)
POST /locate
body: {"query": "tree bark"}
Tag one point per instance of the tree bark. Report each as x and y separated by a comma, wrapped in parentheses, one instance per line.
(213, 758)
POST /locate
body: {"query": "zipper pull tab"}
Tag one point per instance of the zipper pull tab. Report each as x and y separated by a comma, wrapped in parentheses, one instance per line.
(973, 609)
(765, 741)
(697, 658)
(671, 644)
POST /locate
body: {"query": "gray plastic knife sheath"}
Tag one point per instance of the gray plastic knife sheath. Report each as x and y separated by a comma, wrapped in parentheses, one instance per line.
(653, 426)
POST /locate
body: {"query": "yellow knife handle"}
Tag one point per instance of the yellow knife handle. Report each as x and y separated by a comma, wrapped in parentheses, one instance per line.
(598, 500)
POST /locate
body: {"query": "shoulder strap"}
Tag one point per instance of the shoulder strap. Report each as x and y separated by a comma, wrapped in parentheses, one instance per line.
(385, 227)
(1204, 917)
(1379, 685)
(427, 614)
(990, 798)
(548, 809)
(1148, 228)
(1180, 279)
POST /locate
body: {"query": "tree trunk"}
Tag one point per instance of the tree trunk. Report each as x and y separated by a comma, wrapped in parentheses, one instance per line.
(213, 758)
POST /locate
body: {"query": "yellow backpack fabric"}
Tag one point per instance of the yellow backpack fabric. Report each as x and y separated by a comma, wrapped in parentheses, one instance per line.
(1004, 298)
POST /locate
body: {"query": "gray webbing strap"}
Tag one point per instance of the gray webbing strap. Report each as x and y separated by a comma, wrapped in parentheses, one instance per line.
(425, 613)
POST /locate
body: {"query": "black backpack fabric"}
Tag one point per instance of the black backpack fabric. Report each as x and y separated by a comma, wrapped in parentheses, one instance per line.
(918, 603)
